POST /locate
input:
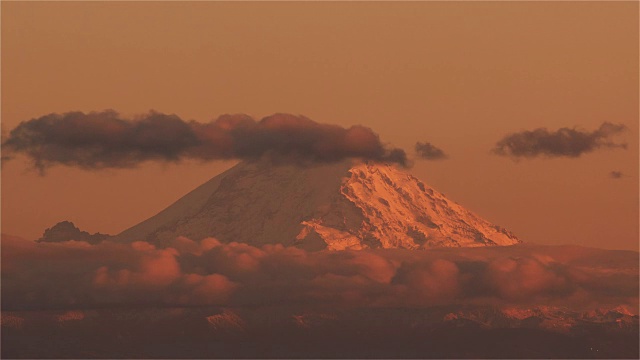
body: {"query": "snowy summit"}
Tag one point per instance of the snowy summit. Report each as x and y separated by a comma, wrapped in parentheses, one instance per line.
(346, 205)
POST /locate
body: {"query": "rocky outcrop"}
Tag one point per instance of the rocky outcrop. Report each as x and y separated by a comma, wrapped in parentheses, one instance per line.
(66, 230)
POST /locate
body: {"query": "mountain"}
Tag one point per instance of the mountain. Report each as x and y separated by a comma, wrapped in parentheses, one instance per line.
(346, 205)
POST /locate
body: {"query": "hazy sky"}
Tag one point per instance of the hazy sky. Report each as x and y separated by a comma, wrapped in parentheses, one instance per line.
(458, 75)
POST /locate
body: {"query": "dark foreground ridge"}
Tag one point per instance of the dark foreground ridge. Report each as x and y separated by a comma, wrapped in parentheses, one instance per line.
(288, 333)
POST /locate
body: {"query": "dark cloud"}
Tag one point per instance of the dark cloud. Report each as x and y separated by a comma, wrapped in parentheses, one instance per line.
(100, 140)
(3, 136)
(616, 174)
(188, 273)
(564, 142)
(428, 151)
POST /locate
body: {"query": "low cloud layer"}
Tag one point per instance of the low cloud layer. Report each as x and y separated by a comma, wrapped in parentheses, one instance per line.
(564, 142)
(99, 140)
(428, 151)
(209, 273)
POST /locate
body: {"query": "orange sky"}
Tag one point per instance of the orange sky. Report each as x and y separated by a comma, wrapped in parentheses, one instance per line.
(460, 75)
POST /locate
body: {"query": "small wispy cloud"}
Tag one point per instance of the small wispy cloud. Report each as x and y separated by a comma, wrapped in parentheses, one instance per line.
(428, 151)
(616, 174)
(564, 142)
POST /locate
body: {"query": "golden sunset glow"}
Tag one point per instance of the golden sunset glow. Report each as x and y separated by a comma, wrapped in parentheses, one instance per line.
(268, 179)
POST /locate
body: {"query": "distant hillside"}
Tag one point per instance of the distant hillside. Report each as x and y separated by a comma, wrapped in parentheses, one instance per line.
(66, 230)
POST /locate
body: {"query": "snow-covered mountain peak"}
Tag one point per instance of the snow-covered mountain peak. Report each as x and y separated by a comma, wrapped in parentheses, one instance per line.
(346, 205)
(396, 210)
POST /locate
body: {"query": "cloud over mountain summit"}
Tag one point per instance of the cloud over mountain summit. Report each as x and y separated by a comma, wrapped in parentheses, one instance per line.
(99, 140)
